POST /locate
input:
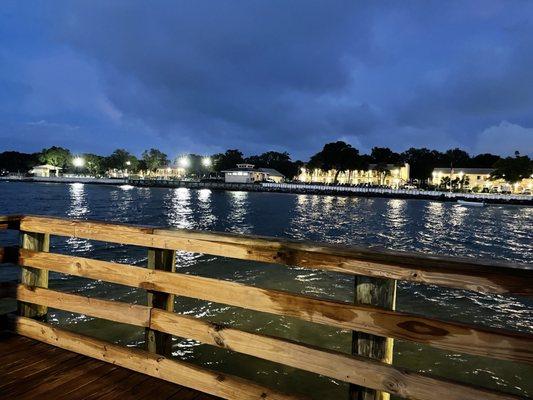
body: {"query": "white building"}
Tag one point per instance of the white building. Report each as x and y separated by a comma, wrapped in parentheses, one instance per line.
(272, 175)
(45, 171)
(247, 173)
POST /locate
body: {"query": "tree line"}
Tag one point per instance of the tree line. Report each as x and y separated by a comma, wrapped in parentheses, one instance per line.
(339, 156)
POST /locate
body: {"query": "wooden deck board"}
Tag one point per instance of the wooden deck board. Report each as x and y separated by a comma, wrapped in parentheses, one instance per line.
(30, 370)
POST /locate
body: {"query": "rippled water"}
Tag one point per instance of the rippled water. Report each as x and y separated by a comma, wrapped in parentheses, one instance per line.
(495, 232)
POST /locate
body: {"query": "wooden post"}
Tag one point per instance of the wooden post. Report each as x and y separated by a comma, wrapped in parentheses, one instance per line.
(33, 277)
(379, 293)
(165, 260)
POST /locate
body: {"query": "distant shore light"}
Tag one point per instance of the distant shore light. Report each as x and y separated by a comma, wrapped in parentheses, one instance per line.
(184, 162)
(78, 162)
(206, 162)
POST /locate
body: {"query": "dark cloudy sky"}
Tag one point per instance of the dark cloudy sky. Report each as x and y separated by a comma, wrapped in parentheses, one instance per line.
(204, 76)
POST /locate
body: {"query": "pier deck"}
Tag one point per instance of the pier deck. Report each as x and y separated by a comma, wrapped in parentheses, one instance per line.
(48, 359)
(31, 369)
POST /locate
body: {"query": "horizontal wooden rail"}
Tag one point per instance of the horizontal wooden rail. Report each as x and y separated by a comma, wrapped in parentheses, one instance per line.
(354, 369)
(132, 314)
(478, 275)
(181, 373)
(446, 335)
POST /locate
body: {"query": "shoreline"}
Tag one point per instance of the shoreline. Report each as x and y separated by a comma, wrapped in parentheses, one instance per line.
(295, 188)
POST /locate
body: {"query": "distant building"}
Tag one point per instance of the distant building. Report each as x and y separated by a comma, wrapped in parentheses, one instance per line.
(391, 175)
(169, 172)
(272, 175)
(45, 171)
(247, 173)
(478, 179)
(472, 177)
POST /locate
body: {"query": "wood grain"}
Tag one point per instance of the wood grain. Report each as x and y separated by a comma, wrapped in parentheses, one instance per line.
(478, 275)
(181, 373)
(354, 369)
(442, 334)
(31, 276)
(380, 293)
(113, 310)
(161, 260)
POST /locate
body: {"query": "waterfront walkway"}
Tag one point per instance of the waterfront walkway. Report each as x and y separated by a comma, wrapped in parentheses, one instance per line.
(34, 370)
(299, 188)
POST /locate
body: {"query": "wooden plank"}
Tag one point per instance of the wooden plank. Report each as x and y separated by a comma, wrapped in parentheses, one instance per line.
(24, 382)
(218, 384)
(380, 293)
(70, 385)
(161, 260)
(139, 383)
(357, 370)
(36, 368)
(31, 276)
(479, 275)
(442, 334)
(113, 310)
(57, 379)
(106, 384)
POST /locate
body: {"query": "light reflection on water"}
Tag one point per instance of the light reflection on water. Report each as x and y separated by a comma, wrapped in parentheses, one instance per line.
(500, 232)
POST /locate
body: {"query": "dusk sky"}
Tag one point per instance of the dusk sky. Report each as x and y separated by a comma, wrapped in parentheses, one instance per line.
(205, 76)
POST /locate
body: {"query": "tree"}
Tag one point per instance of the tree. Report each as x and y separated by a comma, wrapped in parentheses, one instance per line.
(485, 160)
(339, 156)
(276, 160)
(121, 159)
(421, 162)
(227, 160)
(456, 158)
(154, 159)
(13, 161)
(56, 156)
(94, 164)
(463, 182)
(384, 155)
(382, 170)
(513, 169)
(445, 182)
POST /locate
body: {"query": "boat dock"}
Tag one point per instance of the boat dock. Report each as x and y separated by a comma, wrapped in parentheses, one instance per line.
(42, 360)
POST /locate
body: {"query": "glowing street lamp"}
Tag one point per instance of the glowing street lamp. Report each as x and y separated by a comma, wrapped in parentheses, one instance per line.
(184, 162)
(78, 162)
(206, 162)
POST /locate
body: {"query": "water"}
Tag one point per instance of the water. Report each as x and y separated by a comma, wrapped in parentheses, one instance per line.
(495, 232)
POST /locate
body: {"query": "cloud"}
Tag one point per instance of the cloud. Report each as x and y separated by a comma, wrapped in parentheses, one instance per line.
(505, 139)
(256, 75)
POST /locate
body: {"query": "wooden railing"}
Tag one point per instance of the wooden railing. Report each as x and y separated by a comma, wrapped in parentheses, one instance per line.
(162, 283)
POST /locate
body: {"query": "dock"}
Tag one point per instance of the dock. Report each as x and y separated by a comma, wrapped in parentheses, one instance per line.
(44, 361)
(31, 369)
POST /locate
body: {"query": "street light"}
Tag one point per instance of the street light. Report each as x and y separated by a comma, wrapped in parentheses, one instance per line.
(184, 162)
(78, 162)
(128, 163)
(206, 162)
